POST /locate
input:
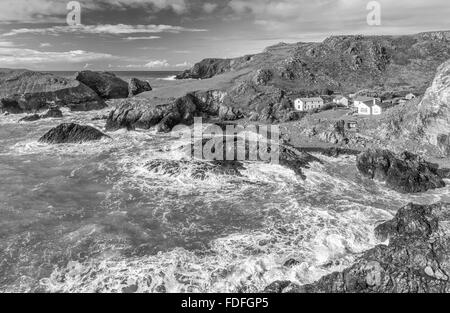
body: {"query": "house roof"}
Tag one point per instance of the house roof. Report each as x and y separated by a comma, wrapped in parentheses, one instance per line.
(370, 103)
(339, 97)
(316, 99)
(364, 98)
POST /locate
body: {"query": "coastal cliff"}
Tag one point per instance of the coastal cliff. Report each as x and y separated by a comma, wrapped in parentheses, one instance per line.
(339, 63)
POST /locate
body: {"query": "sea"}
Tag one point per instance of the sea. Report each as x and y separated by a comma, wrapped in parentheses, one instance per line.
(95, 217)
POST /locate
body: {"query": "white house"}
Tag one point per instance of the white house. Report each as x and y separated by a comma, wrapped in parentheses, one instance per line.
(306, 104)
(410, 96)
(341, 100)
(363, 100)
(371, 107)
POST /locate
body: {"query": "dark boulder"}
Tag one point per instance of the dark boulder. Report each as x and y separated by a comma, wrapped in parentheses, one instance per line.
(107, 85)
(406, 173)
(137, 86)
(71, 133)
(277, 286)
(10, 105)
(30, 118)
(416, 260)
(53, 112)
(196, 169)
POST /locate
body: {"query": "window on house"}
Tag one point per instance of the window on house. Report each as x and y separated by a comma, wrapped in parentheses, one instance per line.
(364, 110)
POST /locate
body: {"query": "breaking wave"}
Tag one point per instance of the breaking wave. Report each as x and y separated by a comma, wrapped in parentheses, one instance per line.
(133, 214)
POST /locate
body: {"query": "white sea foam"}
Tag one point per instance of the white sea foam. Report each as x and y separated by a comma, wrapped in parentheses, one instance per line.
(323, 222)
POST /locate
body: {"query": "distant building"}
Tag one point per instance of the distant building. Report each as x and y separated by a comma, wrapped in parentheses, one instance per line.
(361, 100)
(371, 107)
(306, 104)
(352, 124)
(410, 96)
(341, 100)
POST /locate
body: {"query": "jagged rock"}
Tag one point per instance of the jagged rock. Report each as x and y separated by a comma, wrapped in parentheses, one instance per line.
(208, 68)
(226, 150)
(262, 76)
(277, 286)
(144, 113)
(107, 85)
(100, 117)
(53, 112)
(30, 118)
(229, 113)
(137, 86)
(165, 113)
(416, 260)
(71, 133)
(199, 170)
(27, 91)
(434, 110)
(291, 263)
(9, 105)
(406, 173)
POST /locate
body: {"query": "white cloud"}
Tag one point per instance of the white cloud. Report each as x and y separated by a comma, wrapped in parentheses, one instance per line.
(45, 45)
(103, 29)
(142, 38)
(7, 44)
(184, 64)
(179, 6)
(54, 11)
(303, 17)
(26, 57)
(209, 7)
(157, 64)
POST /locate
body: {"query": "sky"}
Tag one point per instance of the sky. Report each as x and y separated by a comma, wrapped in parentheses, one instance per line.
(175, 34)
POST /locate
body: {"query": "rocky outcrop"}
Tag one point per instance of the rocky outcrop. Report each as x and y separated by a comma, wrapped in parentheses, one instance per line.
(230, 152)
(262, 77)
(145, 114)
(137, 86)
(71, 133)
(27, 91)
(208, 68)
(164, 114)
(434, 111)
(406, 173)
(30, 118)
(416, 260)
(344, 63)
(53, 112)
(229, 113)
(107, 85)
(199, 170)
